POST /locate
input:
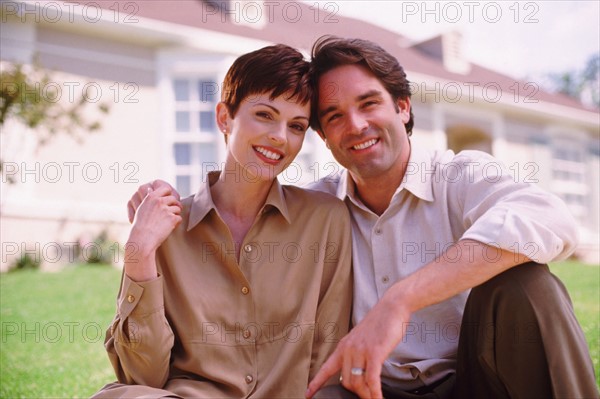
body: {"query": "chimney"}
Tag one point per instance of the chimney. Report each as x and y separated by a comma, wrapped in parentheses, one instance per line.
(448, 49)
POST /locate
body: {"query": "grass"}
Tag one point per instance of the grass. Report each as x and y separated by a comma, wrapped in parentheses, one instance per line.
(583, 284)
(53, 327)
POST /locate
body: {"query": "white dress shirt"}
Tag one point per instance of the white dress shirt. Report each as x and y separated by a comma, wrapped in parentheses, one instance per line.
(444, 198)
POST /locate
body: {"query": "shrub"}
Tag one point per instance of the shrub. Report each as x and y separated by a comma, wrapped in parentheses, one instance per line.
(27, 261)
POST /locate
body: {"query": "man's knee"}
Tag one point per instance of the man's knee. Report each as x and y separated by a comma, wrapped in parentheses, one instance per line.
(531, 282)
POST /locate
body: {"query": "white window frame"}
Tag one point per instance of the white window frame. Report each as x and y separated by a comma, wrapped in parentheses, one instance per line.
(574, 192)
(193, 67)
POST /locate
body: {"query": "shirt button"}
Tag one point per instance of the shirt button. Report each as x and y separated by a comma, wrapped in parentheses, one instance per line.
(246, 334)
(245, 290)
(130, 298)
(249, 379)
(385, 279)
(378, 231)
(248, 248)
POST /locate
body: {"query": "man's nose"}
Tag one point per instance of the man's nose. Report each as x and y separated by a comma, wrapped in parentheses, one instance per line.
(358, 123)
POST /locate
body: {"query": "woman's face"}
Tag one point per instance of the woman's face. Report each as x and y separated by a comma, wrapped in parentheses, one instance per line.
(265, 136)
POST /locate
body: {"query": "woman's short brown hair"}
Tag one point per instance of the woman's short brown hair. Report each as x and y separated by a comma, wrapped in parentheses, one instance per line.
(278, 69)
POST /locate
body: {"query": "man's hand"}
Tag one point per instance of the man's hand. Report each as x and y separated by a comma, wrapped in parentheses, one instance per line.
(365, 347)
(373, 339)
(140, 194)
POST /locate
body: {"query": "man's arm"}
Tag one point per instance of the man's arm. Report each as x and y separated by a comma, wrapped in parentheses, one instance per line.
(371, 341)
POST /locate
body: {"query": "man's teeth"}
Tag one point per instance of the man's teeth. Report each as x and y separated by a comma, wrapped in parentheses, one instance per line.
(364, 145)
(268, 154)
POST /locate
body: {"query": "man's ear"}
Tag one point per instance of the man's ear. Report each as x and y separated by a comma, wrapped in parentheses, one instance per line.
(223, 118)
(404, 108)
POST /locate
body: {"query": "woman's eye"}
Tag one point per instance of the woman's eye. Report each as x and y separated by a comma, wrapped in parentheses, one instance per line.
(263, 114)
(299, 128)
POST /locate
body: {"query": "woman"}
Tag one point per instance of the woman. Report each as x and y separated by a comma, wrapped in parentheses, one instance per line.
(244, 288)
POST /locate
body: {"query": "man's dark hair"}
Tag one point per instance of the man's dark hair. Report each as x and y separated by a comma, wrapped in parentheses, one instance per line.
(330, 52)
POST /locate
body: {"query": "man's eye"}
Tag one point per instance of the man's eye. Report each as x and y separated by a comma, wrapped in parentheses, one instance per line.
(333, 117)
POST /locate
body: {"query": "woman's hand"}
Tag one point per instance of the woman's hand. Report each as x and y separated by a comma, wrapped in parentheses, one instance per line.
(158, 215)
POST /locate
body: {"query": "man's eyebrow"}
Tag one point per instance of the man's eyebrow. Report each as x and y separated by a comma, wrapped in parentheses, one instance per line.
(327, 110)
(370, 93)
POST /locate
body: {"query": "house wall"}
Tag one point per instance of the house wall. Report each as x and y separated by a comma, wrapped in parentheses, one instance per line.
(68, 190)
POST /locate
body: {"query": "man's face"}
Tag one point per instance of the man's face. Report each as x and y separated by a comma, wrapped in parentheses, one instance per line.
(363, 127)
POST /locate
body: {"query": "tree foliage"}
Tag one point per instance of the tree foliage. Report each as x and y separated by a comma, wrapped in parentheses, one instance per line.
(583, 84)
(29, 95)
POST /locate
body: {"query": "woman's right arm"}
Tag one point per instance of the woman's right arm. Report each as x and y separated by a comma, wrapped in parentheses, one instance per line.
(139, 341)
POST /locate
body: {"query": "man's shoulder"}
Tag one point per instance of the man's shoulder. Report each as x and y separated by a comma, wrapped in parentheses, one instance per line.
(447, 162)
(442, 157)
(329, 184)
(317, 203)
(310, 195)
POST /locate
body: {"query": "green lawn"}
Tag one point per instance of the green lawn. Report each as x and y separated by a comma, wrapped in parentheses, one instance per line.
(53, 327)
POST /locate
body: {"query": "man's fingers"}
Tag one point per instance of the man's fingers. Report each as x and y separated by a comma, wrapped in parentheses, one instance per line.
(175, 209)
(130, 211)
(156, 189)
(136, 199)
(329, 369)
(159, 184)
(162, 191)
(373, 380)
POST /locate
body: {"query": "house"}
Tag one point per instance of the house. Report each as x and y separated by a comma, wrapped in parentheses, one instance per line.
(159, 64)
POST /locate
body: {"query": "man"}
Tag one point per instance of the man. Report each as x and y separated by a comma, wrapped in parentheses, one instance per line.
(427, 227)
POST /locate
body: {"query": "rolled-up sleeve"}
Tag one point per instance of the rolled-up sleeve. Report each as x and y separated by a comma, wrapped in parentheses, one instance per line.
(139, 340)
(512, 215)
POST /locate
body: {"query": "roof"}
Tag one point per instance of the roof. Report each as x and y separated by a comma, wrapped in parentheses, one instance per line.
(300, 24)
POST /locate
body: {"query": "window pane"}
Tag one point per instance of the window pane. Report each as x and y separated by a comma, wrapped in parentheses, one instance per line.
(183, 155)
(182, 90)
(207, 153)
(182, 121)
(207, 121)
(184, 185)
(207, 91)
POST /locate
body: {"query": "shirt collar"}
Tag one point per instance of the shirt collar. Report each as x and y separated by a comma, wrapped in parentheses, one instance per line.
(202, 203)
(417, 179)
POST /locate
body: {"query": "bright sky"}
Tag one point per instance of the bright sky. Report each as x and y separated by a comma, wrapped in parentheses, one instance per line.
(521, 38)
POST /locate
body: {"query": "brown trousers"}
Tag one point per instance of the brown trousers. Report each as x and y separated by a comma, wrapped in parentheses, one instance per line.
(519, 339)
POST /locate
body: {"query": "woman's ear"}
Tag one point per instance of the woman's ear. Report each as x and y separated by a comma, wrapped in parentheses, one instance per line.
(223, 118)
